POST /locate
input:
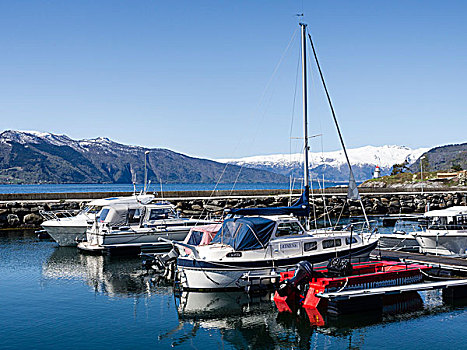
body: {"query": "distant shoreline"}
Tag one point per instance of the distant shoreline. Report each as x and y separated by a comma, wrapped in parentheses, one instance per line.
(82, 188)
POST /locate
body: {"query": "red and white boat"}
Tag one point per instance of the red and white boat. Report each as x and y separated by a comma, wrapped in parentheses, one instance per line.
(301, 288)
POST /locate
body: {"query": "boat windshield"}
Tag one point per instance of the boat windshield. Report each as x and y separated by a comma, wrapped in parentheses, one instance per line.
(195, 237)
(403, 226)
(161, 213)
(288, 229)
(103, 214)
(92, 209)
(448, 222)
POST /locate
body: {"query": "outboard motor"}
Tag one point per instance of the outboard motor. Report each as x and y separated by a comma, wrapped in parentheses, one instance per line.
(163, 261)
(338, 267)
(302, 275)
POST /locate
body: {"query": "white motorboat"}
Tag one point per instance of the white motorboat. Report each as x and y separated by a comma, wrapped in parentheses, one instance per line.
(446, 233)
(126, 227)
(403, 236)
(68, 229)
(252, 249)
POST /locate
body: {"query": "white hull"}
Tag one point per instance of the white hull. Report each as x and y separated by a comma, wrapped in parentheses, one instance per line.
(394, 241)
(66, 236)
(130, 239)
(142, 238)
(209, 279)
(443, 242)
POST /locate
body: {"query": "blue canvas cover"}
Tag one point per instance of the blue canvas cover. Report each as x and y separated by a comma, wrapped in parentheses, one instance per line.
(245, 233)
(300, 208)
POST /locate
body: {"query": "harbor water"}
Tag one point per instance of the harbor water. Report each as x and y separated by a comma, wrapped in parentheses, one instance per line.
(58, 298)
(78, 188)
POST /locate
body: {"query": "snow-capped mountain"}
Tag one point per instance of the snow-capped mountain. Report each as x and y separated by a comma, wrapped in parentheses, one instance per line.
(333, 164)
(36, 157)
(36, 137)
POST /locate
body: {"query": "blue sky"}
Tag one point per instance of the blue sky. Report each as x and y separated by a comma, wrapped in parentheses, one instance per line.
(198, 76)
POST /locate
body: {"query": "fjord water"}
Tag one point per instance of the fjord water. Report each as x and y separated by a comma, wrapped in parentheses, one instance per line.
(78, 188)
(57, 298)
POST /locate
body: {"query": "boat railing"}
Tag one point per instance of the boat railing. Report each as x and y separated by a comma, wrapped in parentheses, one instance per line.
(407, 226)
(58, 214)
(362, 226)
(446, 227)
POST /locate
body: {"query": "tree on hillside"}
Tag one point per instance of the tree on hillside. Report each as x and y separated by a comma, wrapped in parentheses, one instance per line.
(399, 168)
(456, 167)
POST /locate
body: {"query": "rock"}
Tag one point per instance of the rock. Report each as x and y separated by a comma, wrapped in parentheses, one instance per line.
(406, 210)
(32, 219)
(20, 211)
(393, 210)
(36, 209)
(218, 203)
(213, 208)
(13, 220)
(196, 207)
(56, 207)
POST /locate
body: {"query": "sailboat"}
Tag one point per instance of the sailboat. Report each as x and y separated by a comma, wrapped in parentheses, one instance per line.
(254, 244)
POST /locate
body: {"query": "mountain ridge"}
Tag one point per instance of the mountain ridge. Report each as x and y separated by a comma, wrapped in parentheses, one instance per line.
(333, 164)
(35, 157)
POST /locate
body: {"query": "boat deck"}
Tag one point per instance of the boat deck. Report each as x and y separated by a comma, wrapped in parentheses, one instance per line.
(345, 295)
(444, 262)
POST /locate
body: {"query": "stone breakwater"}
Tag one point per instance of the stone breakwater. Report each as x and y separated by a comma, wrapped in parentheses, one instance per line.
(26, 214)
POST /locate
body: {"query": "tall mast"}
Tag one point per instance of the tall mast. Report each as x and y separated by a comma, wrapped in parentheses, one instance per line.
(305, 108)
(305, 116)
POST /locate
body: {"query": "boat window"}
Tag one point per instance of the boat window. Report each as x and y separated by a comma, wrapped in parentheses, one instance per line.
(347, 240)
(462, 220)
(134, 215)
(92, 209)
(310, 246)
(103, 214)
(288, 229)
(195, 237)
(159, 214)
(329, 243)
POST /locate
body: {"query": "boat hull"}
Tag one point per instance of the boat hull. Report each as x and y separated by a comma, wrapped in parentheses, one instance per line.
(143, 237)
(131, 243)
(453, 242)
(208, 276)
(66, 236)
(394, 241)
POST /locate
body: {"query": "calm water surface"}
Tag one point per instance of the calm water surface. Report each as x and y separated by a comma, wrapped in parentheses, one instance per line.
(57, 298)
(77, 188)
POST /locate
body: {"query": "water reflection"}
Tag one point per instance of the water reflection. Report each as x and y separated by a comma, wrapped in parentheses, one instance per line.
(243, 321)
(234, 319)
(254, 322)
(113, 276)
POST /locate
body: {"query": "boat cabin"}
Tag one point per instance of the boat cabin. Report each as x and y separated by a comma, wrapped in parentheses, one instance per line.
(283, 233)
(119, 215)
(156, 214)
(454, 218)
(201, 235)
